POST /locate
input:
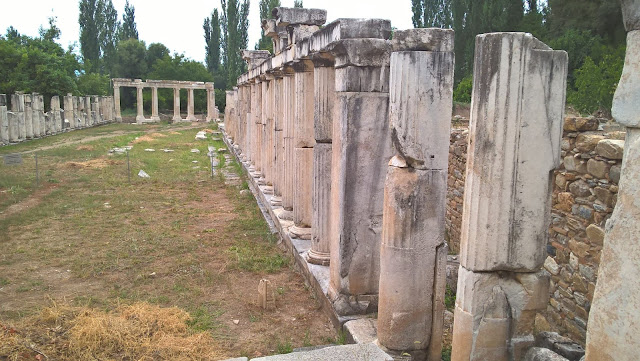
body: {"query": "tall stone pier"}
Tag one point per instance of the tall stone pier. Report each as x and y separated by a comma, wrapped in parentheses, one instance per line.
(614, 320)
(413, 255)
(4, 120)
(360, 153)
(514, 144)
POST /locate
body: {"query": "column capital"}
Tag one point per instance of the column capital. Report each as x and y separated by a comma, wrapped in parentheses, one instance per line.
(302, 65)
(322, 59)
(361, 52)
(423, 39)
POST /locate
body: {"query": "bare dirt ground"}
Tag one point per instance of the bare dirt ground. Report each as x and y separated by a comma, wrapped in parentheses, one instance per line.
(174, 260)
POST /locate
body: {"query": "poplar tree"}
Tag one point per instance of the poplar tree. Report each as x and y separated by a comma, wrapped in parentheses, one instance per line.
(89, 44)
(129, 29)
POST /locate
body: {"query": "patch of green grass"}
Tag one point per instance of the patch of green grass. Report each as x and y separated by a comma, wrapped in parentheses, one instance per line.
(446, 353)
(449, 299)
(4, 281)
(284, 347)
(257, 257)
(203, 319)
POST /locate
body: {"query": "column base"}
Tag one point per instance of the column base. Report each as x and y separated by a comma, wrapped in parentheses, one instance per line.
(261, 180)
(276, 201)
(140, 119)
(119, 119)
(284, 214)
(319, 258)
(177, 119)
(191, 118)
(300, 232)
(155, 118)
(267, 190)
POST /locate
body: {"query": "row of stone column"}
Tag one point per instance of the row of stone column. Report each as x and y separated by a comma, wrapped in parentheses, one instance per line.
(211, 107)
(27, 118)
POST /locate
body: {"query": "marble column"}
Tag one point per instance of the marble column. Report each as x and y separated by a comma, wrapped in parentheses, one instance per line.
(95, 109)
(154, 104)
(56, 114)
(361, 149)
(17, 107)
(413, 255)
(278, 140)
(268, 123)
(324, 100)
(190, 107)
(288, 132)
(4, 120)
(303, 142)
(68, 112)
(176, 105)
(612, 332)
(29, 119)
(139, 105)
(116, 101)
(91, 121)
(38, 114)
(255, 138)
(211, 102)
(514, 146)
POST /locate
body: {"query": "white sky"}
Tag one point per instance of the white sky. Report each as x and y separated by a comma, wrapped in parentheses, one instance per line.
(178, 24)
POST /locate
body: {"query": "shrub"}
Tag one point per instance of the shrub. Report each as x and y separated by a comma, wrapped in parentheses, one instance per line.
(462, 92)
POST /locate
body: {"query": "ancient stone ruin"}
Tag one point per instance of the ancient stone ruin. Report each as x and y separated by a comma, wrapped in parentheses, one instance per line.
(346, 135)
(212, 111)
(27, 118)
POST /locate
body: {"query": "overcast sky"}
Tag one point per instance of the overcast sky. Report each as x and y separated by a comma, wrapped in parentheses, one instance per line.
(178, 24)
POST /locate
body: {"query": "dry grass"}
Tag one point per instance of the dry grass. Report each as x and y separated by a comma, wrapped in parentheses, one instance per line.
(98, 163)
(137, 332)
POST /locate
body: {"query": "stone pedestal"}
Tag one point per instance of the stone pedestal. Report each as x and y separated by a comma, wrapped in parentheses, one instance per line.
(154, 105)
(413, 255)
(514, 145)
(612, 332)
(176, 105)
(139, 106)
(191, 107)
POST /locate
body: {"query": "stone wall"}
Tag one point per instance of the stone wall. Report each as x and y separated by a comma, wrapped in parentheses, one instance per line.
(585, 192)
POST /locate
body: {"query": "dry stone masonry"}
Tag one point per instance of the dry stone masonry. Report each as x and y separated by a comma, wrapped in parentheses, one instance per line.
(23, 116)
(347, 138)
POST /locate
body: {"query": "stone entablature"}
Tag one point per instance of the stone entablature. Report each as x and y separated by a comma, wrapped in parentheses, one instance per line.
(176, 85)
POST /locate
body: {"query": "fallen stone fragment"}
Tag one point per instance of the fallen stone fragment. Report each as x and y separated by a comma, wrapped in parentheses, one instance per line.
(201, 136)
(168, 150)
(149, 150)
(143, 174)
(195, 151)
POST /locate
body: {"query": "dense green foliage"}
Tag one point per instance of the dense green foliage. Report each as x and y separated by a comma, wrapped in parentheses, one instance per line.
(128, 30)
(591, 31)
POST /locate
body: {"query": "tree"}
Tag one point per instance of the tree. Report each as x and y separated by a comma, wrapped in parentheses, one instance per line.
(297, 4)
(431, 13)
(265, 43)
(155, 52)
(235, 26)
(108, 34)
(52, 33)
(600, 17)
(130, 59)
(212, 39)
(129, 29)
(89, 45)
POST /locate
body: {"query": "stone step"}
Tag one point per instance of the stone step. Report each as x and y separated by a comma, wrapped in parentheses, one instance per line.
(360, 352)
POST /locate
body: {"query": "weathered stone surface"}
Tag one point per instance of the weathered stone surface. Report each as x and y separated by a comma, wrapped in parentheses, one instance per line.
(573, 124)
(595, 234)
(610, 148)
(29, 118)
(4, 125)
(299, 16)
(302, 210)
(517, 116)
(304, 110)
(324, 99)
(542, 354)
(580, 188)
(612, 332)
(321, 221)
(614, 174)
(586, 142)
(362, 149)
(631, 14)
(423, 39)
(12, 121)
(266, 295)
(597, 168)
(413, 261)
(420, 98)
(625, 100)
(362, 330)
(255, 57)
(359, 352)
(361, 52)
(495, 314)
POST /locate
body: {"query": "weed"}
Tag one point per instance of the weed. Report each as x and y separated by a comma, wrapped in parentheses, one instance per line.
(446, 353)
(4, 281)
(306, 340)
(257, 257)
(283, 348)
(449, 299)
(204, 320)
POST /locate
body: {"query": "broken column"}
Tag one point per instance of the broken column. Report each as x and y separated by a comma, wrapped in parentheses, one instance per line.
(39, 121)
(303, 142)
(413, 255)
(612, 332)
(91, 121)
(4, 120)
(95, 109)
(29, 119)
(55, 111)
(17, 126)
(324, 99)
(514, 145)
(360, 152)
(68, 111)
(278, 140)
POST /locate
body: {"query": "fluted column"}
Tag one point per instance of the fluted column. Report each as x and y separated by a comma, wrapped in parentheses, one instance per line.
(28, 118)
(190, 107)
(176, 105)
(139, 105)
(211, 102)
(514, 145)
(4, 120)
(154, 104)
(324, 100)
(116, 101)
(612, 332)
(413, 255)
(91, 120)
(278, 139)
(288, 131)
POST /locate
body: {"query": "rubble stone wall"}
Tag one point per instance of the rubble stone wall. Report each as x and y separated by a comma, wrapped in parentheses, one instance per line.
(584, 195)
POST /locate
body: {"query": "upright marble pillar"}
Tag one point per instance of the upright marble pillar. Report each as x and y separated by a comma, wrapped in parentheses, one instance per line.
(39, 120)
(514, 146)
(278, 163)
(68, 111)
(303, 142)
(154, 104)
(116, 101)
(289, 89)
(413, 255)
(56, 114)
(29, 119)
(361, 149)
(191, 107)
(324, 84)
(176, 105)
(612, 331)
(17, 108)
(91, 120)
(139, 105)
(211, 102)
(255, 139)
(95, 109)
(4, 120)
